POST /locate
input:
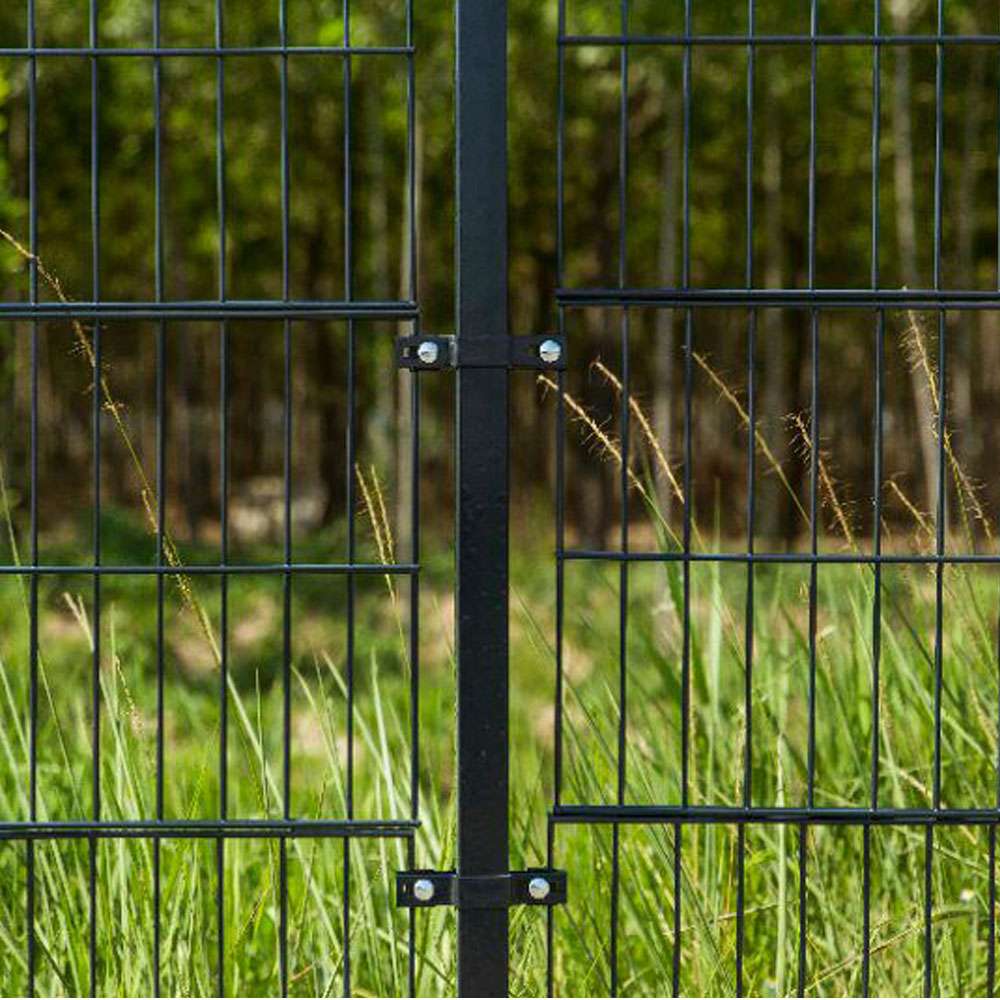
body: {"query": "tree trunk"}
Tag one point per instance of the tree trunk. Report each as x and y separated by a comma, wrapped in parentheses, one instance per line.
(599, 481)
(960, 348)
(329, 381)
(404, 430)
(776, 520)
(378, 429)
(663, 387)
(906, 236)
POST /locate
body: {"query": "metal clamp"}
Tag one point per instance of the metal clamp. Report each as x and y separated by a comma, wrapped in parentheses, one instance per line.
(534, 887)
(434, 353)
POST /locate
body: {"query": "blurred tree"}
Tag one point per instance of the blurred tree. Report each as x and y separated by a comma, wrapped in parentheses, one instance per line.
(714, 179)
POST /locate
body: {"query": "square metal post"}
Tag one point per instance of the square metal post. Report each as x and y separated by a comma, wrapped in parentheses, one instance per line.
(482, 486)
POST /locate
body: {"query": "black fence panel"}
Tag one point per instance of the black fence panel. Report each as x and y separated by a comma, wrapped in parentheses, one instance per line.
(47, 301)
(682, 818)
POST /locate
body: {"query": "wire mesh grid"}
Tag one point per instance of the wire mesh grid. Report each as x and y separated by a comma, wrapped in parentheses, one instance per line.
(221, 310)
(682, 817)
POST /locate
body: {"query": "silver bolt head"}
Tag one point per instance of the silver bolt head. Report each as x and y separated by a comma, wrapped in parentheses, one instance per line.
(550, 351)
(539, 888)
(428, 352)
(423, 890)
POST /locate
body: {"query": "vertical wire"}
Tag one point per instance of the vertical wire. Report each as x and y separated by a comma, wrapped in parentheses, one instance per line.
(160, 604)
(160, 483)
(220, 187)
(688, 499)
(991, 952)
(286, 671)
(33, 474)
(411, 152)
(220, 857)
(813, 503)
(751, 505)
(877, 504)
(95, 222)
(940, 502)
(560, 491)
(414, 381)
(286, 652)
(161, 473)
(351, 456)
(928, 883)
(623, 569)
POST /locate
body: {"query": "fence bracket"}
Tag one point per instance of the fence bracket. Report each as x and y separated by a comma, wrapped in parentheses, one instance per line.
(533, 887)
(436, 353)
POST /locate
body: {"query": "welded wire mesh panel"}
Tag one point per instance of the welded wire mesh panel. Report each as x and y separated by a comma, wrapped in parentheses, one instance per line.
(765, 809)
(161, 848)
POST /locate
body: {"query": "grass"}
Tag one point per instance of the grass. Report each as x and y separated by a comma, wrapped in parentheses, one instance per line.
(378, 933)
(376, 939)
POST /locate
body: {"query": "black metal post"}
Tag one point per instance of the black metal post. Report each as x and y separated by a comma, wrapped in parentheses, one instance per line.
(482, 401)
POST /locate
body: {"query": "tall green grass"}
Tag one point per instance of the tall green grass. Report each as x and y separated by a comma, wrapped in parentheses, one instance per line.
(378, 934)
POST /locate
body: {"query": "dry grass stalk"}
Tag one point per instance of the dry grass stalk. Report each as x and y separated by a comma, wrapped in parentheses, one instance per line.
(604, 442)
(761, 442)
(826, 485)
(146, 490)
(374, 506)
(609, 446)
(611, 449)
(923, 525)
(965, 490)
(646, 427)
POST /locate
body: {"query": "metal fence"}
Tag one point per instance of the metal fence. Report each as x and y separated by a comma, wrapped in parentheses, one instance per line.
(482, 354)
(43, 306)
(684, 816)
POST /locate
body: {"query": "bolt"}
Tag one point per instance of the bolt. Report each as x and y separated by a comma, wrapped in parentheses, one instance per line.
(423, 888)
(539, 888)
(428, 352)
(550, 351)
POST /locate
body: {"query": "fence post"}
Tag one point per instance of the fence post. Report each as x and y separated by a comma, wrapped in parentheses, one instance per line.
(482, 486)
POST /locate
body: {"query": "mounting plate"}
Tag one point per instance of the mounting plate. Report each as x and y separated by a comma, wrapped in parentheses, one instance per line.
(428, 352)
(534, 887)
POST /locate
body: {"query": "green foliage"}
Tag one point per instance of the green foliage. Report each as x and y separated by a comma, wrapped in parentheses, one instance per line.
(719, 176)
